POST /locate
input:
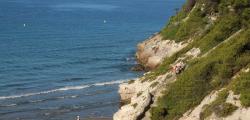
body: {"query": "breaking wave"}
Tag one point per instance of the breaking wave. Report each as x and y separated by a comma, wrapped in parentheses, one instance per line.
(66, 88)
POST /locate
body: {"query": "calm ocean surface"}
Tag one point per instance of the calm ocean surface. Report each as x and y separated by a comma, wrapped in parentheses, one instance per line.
(62, 58)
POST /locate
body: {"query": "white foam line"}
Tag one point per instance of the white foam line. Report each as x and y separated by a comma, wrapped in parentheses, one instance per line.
(109, 83)
(61, 89)
(10, 105)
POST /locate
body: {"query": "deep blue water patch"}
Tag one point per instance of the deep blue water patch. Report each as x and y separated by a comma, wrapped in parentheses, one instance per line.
(65, 58)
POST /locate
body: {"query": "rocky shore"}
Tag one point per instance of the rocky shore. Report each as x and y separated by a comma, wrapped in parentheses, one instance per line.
(141, 96)
(142, 93)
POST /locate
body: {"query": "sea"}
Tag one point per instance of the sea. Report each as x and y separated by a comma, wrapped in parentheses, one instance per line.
(64, 58)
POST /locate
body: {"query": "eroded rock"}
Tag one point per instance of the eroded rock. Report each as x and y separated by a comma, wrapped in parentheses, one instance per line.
(152, 52)
(135, 109)
(140, 94)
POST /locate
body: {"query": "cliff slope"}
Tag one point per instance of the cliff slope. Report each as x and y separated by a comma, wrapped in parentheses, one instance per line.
(199, 66)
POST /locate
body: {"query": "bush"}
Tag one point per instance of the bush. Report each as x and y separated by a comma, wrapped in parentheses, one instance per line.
(242, 87)
(216, 106)
(223, 29)
(154, 84)
(246, 17)
(139, 94)
(135, 105)
(180, 30)
(131, 81)
(220, 110)
(226, 110)
(158, 113)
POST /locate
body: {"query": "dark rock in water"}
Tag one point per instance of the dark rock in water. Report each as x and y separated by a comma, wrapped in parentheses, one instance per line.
(138, 67)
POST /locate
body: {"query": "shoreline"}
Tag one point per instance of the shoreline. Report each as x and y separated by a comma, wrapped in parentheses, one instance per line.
(141, 93)
(98, 118)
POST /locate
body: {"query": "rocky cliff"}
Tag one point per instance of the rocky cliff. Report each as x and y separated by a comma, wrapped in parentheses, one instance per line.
(150, 53)
(199, 66)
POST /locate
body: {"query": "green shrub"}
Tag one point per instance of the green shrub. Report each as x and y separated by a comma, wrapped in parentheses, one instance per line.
(246, 17)
(158, 113)
(131, 81)
(135, 105)
(226, 110)
(125, 102)
(154, 84)
(222, 110)
(242, 87)
(225, 27)
(139, 94)
(180, 30)
(216, 106)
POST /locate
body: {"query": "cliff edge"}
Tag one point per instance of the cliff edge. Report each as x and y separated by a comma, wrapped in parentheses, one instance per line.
(198, 66)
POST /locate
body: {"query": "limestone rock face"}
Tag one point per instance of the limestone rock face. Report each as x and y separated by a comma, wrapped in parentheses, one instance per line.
(140, 94)
(195, 113)
(126, 91)
(151, 53)
(194, 52)
(143, 92)
(241, 113)
(135, 109)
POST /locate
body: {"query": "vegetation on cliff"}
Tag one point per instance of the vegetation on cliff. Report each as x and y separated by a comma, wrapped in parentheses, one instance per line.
(239, 86)
(219, 107)
(220, 28)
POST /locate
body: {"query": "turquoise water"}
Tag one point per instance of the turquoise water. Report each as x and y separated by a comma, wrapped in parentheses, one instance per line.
(65, 58)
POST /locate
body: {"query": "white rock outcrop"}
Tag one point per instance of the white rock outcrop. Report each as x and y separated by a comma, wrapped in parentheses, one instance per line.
(140, 93)
(240, 114)
(151, 53)
(194, 52)
(195, 113)
(143, 93)
(135, 109)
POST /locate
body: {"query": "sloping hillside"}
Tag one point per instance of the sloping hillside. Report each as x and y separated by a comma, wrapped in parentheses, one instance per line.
(207, 77)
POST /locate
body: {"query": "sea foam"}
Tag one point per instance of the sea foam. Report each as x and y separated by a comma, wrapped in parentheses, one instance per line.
(66, 88)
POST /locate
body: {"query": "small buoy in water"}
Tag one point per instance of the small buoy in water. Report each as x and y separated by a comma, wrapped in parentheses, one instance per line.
(104, 21)
(77, 117)
(24, 25)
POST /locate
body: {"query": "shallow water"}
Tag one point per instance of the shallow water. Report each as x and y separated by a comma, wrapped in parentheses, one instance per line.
(65, 58)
